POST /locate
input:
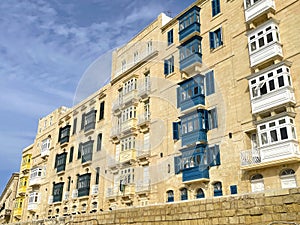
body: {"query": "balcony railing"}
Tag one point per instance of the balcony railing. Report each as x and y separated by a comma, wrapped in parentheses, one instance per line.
(253, 10)
(144, 89)
(144, 118)
(143, 187)
(130, 96)
(117, 104)
(275, 154)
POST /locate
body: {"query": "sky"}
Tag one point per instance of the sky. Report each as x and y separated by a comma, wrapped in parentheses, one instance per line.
(45, 48)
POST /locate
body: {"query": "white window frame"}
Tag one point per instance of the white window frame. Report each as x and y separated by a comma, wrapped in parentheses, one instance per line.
(128, 143)
(45, 145)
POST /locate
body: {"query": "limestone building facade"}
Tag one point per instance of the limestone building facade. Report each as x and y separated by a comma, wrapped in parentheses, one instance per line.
(201, 105)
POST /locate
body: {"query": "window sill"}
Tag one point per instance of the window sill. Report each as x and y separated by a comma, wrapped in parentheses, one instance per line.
(216, 16)
(170, 46)
(217, 48)
(170, 75)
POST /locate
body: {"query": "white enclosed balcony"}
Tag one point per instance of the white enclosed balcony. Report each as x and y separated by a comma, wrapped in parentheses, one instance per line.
(45, 148)
(36, 176)
(256, 8)
(144, 88)
(271, 88)
(33, 201)
(264, 43)
(277, 145)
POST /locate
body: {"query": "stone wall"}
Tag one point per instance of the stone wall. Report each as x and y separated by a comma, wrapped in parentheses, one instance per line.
(277, 207)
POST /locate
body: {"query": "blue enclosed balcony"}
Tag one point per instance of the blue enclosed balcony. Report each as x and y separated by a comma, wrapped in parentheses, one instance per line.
(189, 23)
(190, 54)
(190, 93)
(195, 173)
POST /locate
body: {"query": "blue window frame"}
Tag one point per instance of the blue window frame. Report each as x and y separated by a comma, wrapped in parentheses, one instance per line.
(190, 52)
(215, 5)
(210, 83)
(215, 38)
(200, 193)
(212, 118)
(213, 155)
(170, 37)
(176, 128)
(169, 65)
(183, 194)
(218, 189)
(189, 22)
(191, 92)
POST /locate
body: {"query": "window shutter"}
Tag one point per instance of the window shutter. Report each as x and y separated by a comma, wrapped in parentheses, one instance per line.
(172, 64)
(210, 83)
(55, 165)
(175, 131)
(217, 155)
(177, 164)
(219, 34)
(99, 142)
(214, 118)
(166, 67)
(101, 116)
(79, 151)
(206, 120)
(71, 154)
(212, 40)
(213, 7)
(74, 125)
(178, 97)
(217, 7)
(82, 121)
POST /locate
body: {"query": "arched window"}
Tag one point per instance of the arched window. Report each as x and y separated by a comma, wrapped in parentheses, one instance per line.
(288, 179)
(170, 195)
(200, 193)
(218, 189)
(257, 183)
(183, 194)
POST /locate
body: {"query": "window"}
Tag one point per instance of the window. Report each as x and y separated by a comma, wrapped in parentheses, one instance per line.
(101, 115)
(257, 183)
(233, 189)
(200, 193)
(176, 130)
(97, 175)
(64, 134)
(262, 37)
(128, 143)
(33, 197)
(212, 119)
(123, 68)
(276, 131)
(87, 151)
(60, 162)
(45, 146)
(126, 177)
(71, 154)
(215, 5)
(215, 38)
(269, 82)
(36, 173)
(128, 113)
(84, 185)
(69, 184)
(213, 155)
(170, 196)
(82, 121)
(90, 120)
(99, 142)
(135, 57)
(210, 83)
(129, 86)
(218, 189)
(169, 65)
(170, 37)
(57, 191)
(183, 194)
(79, 151)
(149, 47)
(74, 125)
(288, 179)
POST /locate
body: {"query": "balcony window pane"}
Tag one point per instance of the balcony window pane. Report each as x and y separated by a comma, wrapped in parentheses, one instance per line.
(274, 136)
(283, 133)
(261, 42)
(269, 37)
(264, 138)
(280, 81)
(263, 89)
(254, 92)
(271, 85)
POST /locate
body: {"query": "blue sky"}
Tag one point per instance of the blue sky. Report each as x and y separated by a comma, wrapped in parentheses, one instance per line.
(45, 48)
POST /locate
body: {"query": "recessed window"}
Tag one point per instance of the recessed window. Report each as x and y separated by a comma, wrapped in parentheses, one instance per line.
(217, 189)
(288, 179)
(184, 194)
(169, 65)
(170, 37)
(170, 196)
(215, 38)
(257, 183)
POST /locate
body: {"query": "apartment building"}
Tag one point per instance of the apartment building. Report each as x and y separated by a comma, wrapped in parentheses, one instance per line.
(201, 105)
